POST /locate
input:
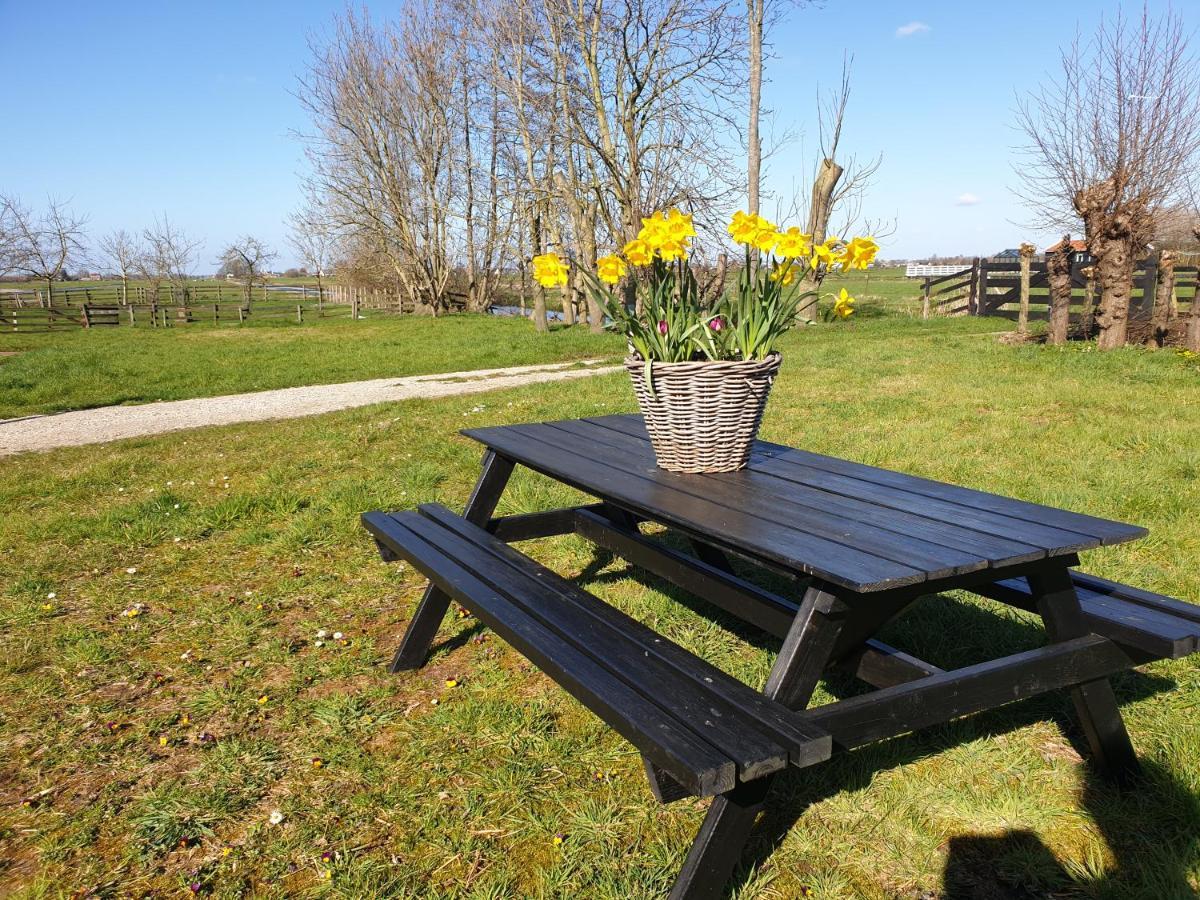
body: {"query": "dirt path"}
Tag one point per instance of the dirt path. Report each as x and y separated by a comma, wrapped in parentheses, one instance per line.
(113, 423)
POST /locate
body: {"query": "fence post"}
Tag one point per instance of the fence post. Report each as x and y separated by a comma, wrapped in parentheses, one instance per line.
(1026, 254)
(241, 314)
(981, 290)
(300, 313)
(131, 321)
(925, 300)
(87, 321)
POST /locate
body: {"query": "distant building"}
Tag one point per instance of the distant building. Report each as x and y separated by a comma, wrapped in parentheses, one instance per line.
(1010, 253)
(1076, 247)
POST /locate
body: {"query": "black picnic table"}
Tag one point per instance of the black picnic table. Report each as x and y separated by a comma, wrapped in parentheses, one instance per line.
(860, 542)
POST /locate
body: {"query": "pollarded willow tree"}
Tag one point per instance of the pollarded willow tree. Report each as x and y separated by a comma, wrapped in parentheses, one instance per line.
(1113, 143)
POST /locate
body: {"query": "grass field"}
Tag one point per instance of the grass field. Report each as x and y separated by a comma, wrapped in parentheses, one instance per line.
(164, 689)
(76, 369)
(80, 369)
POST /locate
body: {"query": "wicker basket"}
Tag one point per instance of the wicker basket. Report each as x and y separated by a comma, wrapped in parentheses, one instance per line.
(703, 416)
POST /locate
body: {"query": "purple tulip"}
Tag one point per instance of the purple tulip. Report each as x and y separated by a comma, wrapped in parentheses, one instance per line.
(662, 326)
(716, 323)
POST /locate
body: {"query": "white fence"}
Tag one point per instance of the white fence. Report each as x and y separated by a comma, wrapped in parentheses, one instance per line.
(921, 270)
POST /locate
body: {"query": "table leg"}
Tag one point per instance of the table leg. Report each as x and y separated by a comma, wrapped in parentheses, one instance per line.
(1095, 703)
(730, 819)
(493, 478)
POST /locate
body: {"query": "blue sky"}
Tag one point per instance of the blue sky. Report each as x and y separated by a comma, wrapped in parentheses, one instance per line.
(133, 109)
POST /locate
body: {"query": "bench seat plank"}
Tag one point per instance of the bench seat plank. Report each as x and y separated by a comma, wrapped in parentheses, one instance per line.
(804, 745)
(706, 734)
(679, 698)
(691, 761)
(1157, 626)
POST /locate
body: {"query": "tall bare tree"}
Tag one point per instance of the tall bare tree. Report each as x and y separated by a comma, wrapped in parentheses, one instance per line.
(1112, 142)
(381, 155)
(122, 252)
(39, 246)
(315, 241)
(248, 260)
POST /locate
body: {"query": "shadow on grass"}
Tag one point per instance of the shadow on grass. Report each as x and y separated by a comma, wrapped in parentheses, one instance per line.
(1152, 827)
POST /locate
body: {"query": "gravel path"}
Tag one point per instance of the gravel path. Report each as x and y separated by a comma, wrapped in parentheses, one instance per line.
(113, 423)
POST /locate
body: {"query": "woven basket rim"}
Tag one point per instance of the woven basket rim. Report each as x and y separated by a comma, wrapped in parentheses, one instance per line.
(774, 358)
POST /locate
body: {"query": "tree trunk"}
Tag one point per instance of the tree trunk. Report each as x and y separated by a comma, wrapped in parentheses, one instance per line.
(1114, 271)
(818, 222)
(539, 294)
(1058, 272)
(1160, 318)
(755, 10)
(1193, 330)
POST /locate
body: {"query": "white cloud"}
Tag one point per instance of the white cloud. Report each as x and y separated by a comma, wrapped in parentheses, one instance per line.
(967, 199)
(910, 29)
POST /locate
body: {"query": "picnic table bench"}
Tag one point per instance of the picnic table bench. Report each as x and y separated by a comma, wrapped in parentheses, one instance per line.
(862, 542)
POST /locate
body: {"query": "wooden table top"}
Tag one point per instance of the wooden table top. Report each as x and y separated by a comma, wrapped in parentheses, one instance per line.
(860, 527)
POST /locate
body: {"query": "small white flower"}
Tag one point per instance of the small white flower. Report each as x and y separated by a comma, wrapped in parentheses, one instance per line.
(276, 817)
(337, 635)
(51, 595)
(319, 644)
(178, 539)
(248, 593)
(132, 570)
(177, 506)
(120, 490)
(169, 483)
(321, 632)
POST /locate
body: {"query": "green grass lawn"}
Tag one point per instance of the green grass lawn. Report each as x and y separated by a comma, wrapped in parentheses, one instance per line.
(164, 689)
(79, 369)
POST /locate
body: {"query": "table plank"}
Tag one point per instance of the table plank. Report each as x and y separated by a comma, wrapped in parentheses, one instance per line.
(855, 526)
(760, 496)
(652, 496)
(1100, 531)
(994, 549)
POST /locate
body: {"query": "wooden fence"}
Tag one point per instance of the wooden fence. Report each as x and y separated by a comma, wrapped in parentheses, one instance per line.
(103, 304)
(993, 288)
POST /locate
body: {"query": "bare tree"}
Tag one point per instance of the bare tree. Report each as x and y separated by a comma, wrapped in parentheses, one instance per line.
(121, 252)
(381, 154)
(315, 241)
(246, 259)
(761, 16)
(40, 246)
(838, 188)
(1112, 143)
(168, 257)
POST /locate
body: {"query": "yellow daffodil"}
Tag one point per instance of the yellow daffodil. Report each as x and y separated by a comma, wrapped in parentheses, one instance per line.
(766, 239)
(611, 269)
(821, 254)
(654, 232)
(549, 270)
(638, 253)
(680, 227)
(793, 243)
(785, 274)
(671, 250)
(859, 253)
(743, 228)
(843, 307)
